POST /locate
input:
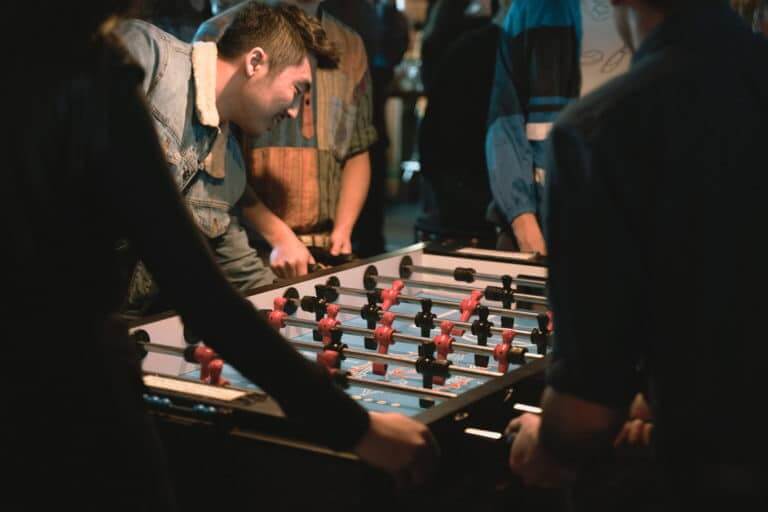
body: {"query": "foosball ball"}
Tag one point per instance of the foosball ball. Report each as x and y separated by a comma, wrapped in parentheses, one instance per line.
(456, 341)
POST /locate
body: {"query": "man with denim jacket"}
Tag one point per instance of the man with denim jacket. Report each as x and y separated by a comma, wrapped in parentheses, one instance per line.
(256, 76)
(312, 172)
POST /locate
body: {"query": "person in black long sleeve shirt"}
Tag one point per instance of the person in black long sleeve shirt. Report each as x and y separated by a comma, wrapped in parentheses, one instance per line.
(452, 133)
(80, 151)
(658, 209)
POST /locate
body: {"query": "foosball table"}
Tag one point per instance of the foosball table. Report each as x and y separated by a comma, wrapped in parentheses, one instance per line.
(457, 339)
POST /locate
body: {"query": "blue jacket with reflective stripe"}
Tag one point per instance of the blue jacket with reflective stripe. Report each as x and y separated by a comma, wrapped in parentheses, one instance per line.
(537, 74)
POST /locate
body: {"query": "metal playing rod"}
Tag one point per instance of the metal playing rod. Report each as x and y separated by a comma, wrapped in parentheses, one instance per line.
(527, 408)
(520, 281)
(459, 347)
(501, 436)
(401, 316)
(345, 308)
(157, 348)
(425, 284)
(396, 360)
(444, 303)
(535, 299)
(390, 386)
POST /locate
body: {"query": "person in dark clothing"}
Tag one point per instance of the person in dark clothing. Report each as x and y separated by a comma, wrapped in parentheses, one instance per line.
(83, 170)
(452, 134)
(647, 171)
(448, 20)
(360, 16)
(393, 35)
(392, 39)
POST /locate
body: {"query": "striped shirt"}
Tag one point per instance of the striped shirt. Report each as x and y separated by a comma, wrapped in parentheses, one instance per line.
(296, 168)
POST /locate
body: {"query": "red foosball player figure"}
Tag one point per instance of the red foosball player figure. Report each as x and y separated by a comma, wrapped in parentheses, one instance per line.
(468, 307)
(384, 338)
(505, 353)
(391, 297)
(211, 365)
(444, 344)
(278, 315)
(326, 324)
(328, 329)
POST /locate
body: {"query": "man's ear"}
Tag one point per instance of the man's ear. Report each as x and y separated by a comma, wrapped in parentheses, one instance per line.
(256, 62)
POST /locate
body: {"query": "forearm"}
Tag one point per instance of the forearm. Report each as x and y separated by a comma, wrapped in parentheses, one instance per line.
(355, 180)
(289, 257)
(578, 433)
(528, 234)
(523, 222)
(263, 220)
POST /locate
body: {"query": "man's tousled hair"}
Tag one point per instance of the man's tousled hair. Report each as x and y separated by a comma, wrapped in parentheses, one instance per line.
(285, 32)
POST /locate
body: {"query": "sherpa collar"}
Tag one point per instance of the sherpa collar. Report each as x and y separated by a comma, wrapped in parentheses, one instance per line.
(204, 71)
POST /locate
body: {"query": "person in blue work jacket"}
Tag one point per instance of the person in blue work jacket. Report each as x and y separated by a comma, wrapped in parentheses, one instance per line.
(537, 74)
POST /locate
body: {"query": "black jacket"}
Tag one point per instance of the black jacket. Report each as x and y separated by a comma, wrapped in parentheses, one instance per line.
(657, 257)
(83, 170)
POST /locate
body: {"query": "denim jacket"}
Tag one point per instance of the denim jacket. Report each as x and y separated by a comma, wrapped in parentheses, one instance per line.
(203, 156)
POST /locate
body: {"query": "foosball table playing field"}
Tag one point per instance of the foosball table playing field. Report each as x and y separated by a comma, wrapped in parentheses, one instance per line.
(455, 339)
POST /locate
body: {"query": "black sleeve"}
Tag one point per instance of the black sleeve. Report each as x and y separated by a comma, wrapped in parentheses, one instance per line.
(596, 275)
(545, 68)
(148, 203)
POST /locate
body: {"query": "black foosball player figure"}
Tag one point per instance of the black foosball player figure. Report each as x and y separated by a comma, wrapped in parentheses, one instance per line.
(370, 312)
(85, 170)
(481, 328)
(431, 369)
